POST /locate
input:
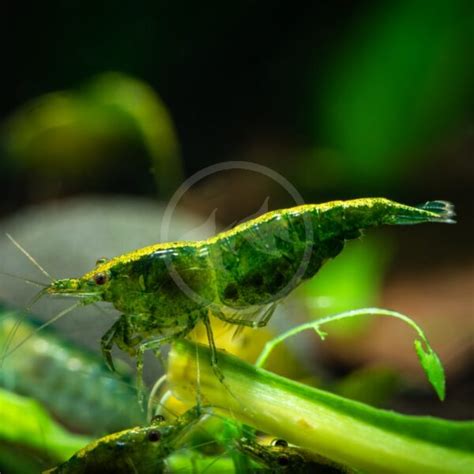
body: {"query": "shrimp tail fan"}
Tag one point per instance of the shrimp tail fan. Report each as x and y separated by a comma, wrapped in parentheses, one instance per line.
(430, 211)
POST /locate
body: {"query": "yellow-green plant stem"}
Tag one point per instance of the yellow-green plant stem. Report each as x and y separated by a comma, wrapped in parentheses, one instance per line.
(346, 431)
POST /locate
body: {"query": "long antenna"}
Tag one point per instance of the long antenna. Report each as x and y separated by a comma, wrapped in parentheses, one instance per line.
(18, 323)
(26, 280)
(46, 324)
(29, 257)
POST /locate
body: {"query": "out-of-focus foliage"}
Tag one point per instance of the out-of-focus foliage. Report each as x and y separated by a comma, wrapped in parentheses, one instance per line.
(352, 280)
(79, 133)
(26, 424)
(73, 384)
(397, 85)
(371, 385)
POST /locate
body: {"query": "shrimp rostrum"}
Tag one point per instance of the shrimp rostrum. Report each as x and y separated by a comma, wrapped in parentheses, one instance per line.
(239, 275)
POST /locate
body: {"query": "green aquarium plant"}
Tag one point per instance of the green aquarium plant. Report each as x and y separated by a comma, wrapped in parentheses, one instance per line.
(50, 369)
(28, 429)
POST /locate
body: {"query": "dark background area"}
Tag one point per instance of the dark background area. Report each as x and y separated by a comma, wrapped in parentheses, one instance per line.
(234, 74)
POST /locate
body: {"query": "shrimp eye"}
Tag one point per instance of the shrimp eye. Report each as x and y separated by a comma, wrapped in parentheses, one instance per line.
(283, 460)
(158, 419)
(280, 442)
(100, 278)
(154, 436)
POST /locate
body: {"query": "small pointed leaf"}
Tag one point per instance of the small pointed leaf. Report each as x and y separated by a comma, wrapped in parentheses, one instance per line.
(432, 366)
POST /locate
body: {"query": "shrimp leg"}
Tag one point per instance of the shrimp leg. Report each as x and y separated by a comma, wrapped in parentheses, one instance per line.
(112, 336)
(154, 345)
(212, 346)
(258, 317)
(120, 334)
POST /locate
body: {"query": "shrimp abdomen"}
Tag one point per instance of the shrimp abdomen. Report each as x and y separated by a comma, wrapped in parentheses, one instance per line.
(370, 212)
(256, 263)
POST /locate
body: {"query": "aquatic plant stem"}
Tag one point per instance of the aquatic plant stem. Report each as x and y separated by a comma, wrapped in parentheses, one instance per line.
(346, 431)
(270, 345)
(428, 358)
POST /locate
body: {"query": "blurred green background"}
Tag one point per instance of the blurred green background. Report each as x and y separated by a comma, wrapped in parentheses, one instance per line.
(346, 98)
(107, 108)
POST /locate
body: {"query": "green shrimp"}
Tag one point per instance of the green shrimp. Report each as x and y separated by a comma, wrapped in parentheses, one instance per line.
(280, 457)
(239, 275)
(141, 449)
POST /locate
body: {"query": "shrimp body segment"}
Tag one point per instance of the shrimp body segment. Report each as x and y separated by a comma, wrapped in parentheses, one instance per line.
(291, 459)
(239, 275)
(140, 449)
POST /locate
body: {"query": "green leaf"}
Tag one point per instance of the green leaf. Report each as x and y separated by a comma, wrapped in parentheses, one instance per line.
(353, 280)
(27, 424)
(433, 368)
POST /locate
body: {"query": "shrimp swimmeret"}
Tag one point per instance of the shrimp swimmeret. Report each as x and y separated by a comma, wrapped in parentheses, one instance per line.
(239, 275)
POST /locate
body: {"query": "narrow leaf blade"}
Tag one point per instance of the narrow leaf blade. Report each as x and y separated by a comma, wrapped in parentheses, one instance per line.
(433, 368)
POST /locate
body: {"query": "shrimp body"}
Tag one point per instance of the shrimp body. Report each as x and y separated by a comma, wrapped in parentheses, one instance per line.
(292, 459)
(239, 276)
(140, 449)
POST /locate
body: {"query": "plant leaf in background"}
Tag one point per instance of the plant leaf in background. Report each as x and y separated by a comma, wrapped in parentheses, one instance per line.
(353, 280)
(26, 423)
(72, 383)
(80, 133)
(372, 385)
(401, 80)
(151, 118)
